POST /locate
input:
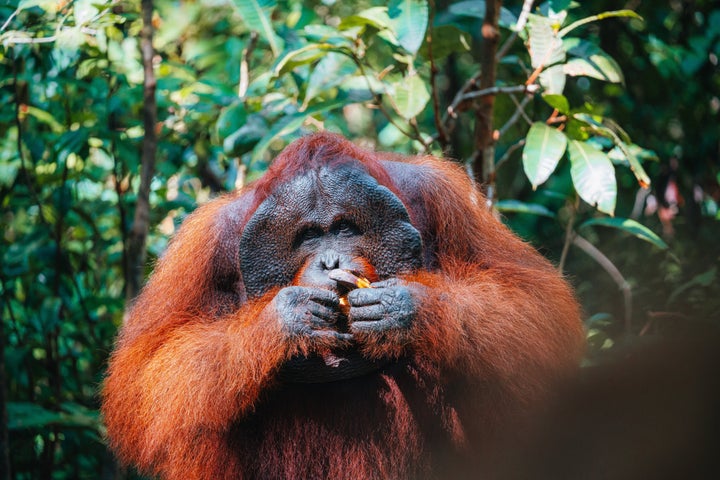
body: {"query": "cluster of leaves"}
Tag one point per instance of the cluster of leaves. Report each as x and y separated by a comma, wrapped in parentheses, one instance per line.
(236, 81)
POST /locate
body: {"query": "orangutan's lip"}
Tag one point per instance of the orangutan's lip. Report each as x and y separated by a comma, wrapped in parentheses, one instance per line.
(349, 279)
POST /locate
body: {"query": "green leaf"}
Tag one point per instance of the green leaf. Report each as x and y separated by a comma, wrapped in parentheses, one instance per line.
(593, 176)
(84, 11)
(598, 127)
(256, 15)
(325, 34)
(599, 16)
(303, 56)
(246, 136)
(410, 96)
(552, 79)
(409, 19)
(446, 39)
(45, 117)
(546, 48)
(231, 118)
(330, 72)
(630, 226)
(704, 279)
(26, 415)
(617, 155)
(516, 206)
(546, 52)
(544, 146)
(596, 66)
(558, 102)
(292, 123)
(476, 9)
(376, 17)
(47, 5)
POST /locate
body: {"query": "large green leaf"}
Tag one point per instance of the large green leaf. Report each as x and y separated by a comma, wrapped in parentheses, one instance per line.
(330, 72)
(410, 96)
(256, 15)
(630, 226)
(409, 19)
(593, 176)
(231, 118)
(544, 146)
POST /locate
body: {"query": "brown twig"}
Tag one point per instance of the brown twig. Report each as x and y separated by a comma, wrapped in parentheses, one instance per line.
(244, 65)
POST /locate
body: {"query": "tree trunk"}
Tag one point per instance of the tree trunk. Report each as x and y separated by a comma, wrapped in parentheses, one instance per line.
(141, 223)
(484, 157)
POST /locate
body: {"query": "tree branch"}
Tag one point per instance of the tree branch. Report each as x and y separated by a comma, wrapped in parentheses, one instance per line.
(612, 270)
(519, 112)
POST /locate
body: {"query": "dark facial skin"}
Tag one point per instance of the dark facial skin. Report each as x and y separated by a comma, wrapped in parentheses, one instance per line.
(324, 220)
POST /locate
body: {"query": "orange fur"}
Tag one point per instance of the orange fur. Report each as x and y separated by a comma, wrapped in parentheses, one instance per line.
(192, 393)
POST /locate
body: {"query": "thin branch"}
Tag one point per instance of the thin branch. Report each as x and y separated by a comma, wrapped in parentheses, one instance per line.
(530, 89)
(522, 20)
(519, 112)
(244, 65)
(508, 153)
(378, 101)
(450, 114)
(9, 19)
(524, 15)
(612, 270)
(442, 135)
(521, 107)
